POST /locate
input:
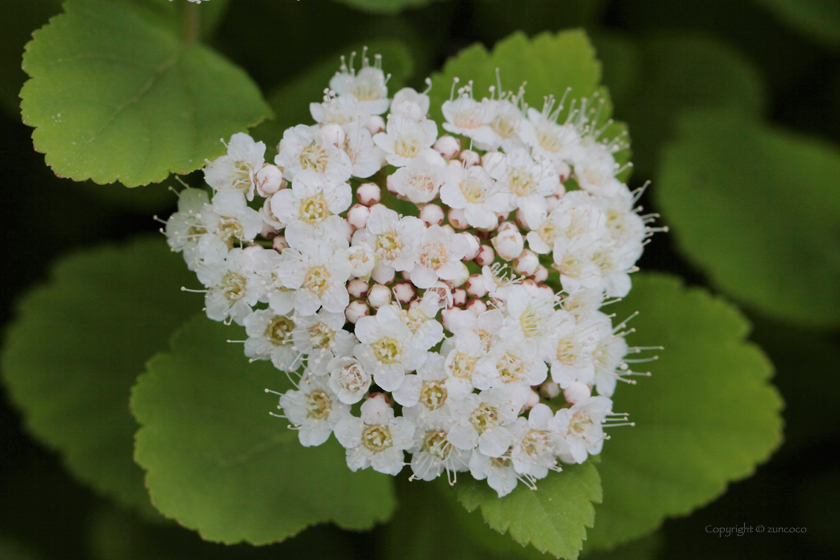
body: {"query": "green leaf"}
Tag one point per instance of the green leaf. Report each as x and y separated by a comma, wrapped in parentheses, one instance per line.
(659, 78)
(707, 415)
(218, 463)
(553, 519)
(13, 550)
(116, 95)
(819, 19)
(385, 6)
(77, 346)
(550, 63)
(756, 207)
(117, 535)
(291, 101)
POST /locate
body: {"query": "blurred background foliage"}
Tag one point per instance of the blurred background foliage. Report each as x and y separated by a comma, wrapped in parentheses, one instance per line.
(733, 107)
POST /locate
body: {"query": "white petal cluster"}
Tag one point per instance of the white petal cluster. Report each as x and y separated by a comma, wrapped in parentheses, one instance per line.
(464, 329)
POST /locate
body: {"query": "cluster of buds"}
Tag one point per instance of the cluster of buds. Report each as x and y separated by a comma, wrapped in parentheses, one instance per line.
(431, 294)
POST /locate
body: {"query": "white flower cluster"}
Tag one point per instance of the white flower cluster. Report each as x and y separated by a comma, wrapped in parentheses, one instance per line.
(416, 320)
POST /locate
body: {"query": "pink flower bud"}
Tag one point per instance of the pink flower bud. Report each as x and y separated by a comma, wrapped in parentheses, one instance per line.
(279, 243)
(379, 295)
(459, 297)
(384, 274)
(368, 194)
(269, 179)
(444, 318)
(541, 274)
(475, 245)
(469, 158)
(389, 184)
(432, 214)
(414, 304)
(563, 170)
(458, 218)
(505, 226)
(447, 228)
(268, 231)
(375, 124)
(549, 389)
(475, 286)
(443, 292)
(526, 263)
(357, 216)
(356, 310)
(576, 392)
(520, 220)
(358, 288)
(447, 146)
(509, 244)
(405, 292)
(476, 306)
(552, 202)
(485, 255)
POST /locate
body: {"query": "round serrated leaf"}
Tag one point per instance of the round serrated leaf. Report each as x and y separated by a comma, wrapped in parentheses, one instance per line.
(218, 463)
(116, 95)
(77, 346)
(757, 208)
(706, 416)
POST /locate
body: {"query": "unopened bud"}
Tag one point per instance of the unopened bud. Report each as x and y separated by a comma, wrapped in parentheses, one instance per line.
(357, 216)
(458, 218)
(459, 297)
(476, 306)
(447, 146)
(461, 278)
(368, 194)
(375, 125)
(475, 286)
(576, 392)
(551, 202)
(549, 389)
(564, 171)
(404, 291)
(432, 214)
(485, 255)
(469, 158)
(384, 274)
(475, 245)
(541, 274)
(269, 179)
(533, 400)
(356, 310)
(379, 295)
(509, 244)
(279, 243)
(358, 288)
(526, 263)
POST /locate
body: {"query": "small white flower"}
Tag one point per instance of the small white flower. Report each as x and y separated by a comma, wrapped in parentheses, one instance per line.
(410, 104)
(467, 365)
(318, 277)
(377, 439)
(481, 419)
(432, 452)
(499, 472)
(506, 122)
(608, 358)
(420, 320)
(508, 243)
(582, 427)
(529, 181)
(232, 287)
(393, 238)
(573, 259)
(473, 190)
(270, 338)
(386, 348)
(314, 409)
(307, 148)
(572, 345)
(595, 171)
(348, 379)
(421, 179)
(321, 337)
(549, 140)
(367, 86)
(309, 210)
(575, 215)
(339, 110)
(362, 260)
(517, 367)
(235, 171)
(184, 227)
(537, 443)
(424, 392)
(230, 219)
(470, 118)
(366, 157)
(405, 139)
(439, 255)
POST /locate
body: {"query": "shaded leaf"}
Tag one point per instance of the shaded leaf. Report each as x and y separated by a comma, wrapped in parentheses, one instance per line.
(77, 346)
(706, 416)
(819, 19)
(385, 6)
(757, 208)
(116, 95)
(218, 463)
